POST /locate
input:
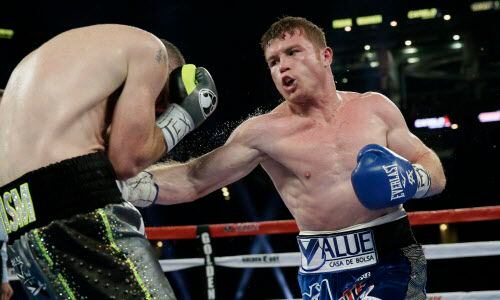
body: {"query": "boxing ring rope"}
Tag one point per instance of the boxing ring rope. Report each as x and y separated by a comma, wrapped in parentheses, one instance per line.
(485, 213)
(292, 259)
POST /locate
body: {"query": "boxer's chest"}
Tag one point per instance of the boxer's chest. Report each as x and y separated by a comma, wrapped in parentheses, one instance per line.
(327, 148)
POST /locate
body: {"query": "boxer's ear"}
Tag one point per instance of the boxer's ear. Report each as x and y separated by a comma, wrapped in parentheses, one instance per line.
(327, 56)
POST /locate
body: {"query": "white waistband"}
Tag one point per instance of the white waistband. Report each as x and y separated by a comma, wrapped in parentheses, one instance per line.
(393, 216)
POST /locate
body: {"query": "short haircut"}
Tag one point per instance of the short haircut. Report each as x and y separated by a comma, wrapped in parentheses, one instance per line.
(288, 25)
(174, 55)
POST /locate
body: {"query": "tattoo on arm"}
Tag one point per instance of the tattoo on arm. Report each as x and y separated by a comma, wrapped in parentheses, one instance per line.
(161, 56)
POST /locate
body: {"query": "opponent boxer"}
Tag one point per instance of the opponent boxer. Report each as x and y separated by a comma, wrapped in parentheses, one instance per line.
(6, 291)
(343, 163)
(73, 235)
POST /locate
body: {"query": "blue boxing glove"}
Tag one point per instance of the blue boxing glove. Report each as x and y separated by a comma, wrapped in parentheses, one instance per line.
(383, 179)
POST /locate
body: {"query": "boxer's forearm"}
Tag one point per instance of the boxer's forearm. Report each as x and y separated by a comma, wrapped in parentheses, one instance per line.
(430, 161)
(175, 184)
(199, 177)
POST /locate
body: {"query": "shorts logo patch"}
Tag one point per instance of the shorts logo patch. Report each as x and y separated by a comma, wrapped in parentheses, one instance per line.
(334, 253)
(316, 290)
(32, 284)
(16, 208)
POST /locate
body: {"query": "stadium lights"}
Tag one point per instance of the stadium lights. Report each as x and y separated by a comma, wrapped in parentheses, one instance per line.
(341, 23)
(485, 5)
(456, 45)
(489, 116)
(407, 43)
(367, 47)
(410, 50)
(433, 123)
(412, 60)
(347, 28)
(428, 13)
(456, 37)
(225, 193)
(393, 23)
(369, 20)
(447, 17)
(6, 33)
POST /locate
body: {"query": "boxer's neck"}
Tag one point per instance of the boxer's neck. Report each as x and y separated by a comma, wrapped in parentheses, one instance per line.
(322, 105)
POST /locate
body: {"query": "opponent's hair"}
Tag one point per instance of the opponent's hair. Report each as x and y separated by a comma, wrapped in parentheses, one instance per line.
(174, 55)
(288, 25)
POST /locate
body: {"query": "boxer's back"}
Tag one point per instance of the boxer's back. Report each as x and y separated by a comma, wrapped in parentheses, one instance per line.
(55, 101)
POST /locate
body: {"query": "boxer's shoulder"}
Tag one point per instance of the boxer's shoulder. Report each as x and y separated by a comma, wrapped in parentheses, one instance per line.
(375, 102)
(257, 130)
(364, 98)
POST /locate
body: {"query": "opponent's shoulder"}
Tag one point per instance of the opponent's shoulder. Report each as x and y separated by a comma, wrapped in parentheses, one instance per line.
(124, 37)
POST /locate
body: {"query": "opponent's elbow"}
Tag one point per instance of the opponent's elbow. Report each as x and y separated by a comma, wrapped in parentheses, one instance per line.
(126, 170)
(126, 166)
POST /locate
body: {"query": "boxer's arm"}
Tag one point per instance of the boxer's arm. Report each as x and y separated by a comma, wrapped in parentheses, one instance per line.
(189, 181)
(406, 144)
(135, 141)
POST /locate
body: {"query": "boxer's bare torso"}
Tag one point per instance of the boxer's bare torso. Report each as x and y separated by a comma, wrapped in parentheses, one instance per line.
(310, 159)
(59, 100)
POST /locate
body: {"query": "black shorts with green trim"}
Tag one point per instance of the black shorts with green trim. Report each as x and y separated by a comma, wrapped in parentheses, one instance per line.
(80, 251)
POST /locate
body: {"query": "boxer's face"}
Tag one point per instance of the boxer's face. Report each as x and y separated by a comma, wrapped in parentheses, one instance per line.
(297, 66)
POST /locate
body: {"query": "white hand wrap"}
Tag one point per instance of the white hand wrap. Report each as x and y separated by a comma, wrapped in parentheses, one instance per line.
(423, 181)
(175, 123)
(140, 190)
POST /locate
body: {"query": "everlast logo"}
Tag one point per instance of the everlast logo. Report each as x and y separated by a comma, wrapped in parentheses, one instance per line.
(16, 208)
(338, 252)
(396, 182)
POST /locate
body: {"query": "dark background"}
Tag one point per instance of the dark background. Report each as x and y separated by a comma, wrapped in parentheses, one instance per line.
(224, 37)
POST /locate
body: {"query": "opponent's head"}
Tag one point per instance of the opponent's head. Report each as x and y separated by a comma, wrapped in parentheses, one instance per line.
(175, 59)
(297, 55)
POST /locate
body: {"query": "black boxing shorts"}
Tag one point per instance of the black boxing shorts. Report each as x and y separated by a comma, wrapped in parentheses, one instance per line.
(72, 236)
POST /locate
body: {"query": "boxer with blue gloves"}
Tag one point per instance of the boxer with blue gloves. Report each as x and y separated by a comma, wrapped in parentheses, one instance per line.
(355, 239)
(383, 179)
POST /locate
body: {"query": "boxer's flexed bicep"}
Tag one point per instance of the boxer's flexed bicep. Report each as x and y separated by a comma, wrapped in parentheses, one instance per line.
(399, 137)
(135, 141)
(409, 146)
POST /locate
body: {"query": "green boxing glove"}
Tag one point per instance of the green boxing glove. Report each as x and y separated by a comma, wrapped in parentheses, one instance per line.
(193, 95)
